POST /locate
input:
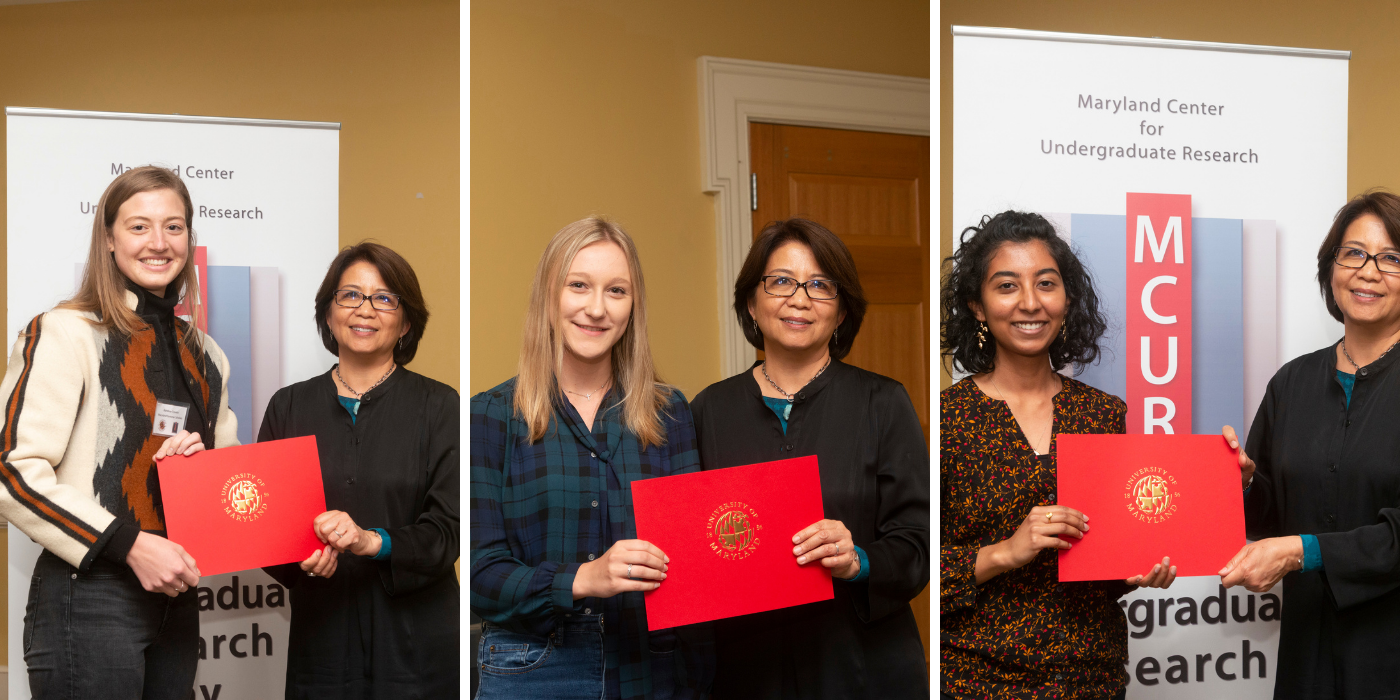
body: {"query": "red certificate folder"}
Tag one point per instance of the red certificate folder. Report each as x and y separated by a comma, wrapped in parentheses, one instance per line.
(244, 507)
(729, 533)
(1148, 497)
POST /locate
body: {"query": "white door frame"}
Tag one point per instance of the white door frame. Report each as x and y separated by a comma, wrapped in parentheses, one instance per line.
(735, 92)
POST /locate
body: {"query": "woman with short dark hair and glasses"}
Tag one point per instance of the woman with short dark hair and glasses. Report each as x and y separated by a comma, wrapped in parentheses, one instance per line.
(1320, 476)
(799, 300)
(375, 615)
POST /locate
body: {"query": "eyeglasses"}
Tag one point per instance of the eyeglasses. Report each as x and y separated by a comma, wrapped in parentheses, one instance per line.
(1355, 258)
(780, 286)
(352, 299)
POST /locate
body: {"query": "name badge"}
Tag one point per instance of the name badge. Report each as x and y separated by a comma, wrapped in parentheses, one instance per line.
(170, 418)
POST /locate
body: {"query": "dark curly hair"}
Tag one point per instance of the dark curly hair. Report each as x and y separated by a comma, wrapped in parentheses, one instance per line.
(966, 270)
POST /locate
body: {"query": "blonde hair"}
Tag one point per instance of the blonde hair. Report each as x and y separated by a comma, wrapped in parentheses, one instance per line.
(542, 355)
(103, 289)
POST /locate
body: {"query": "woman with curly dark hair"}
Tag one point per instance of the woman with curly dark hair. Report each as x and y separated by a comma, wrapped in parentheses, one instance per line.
(1018, 306)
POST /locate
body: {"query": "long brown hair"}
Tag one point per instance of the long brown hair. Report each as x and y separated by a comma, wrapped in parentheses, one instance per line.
(542, 353)
(103, 289)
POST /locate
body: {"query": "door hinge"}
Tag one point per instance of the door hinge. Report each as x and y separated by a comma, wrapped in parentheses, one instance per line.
(753, 191)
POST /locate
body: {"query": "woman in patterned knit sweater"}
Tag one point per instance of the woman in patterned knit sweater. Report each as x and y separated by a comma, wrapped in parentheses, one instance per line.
(1017, 307)
(112, 609)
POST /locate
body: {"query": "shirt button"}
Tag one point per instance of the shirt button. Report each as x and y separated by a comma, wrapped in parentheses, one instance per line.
(1361, 371)
(350, 481)
(1052, 496)
(594, 455)
(801, 394)
(590, 557)
(1059, 676)
(1330, 518)
(595, 504)
(588, 611)
(75, 576)
(1331, 467)
(789, 448)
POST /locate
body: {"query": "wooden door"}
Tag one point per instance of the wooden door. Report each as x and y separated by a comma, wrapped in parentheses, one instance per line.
(871, 190)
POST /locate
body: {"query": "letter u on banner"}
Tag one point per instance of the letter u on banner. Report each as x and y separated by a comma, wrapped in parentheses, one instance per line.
(1159, 313)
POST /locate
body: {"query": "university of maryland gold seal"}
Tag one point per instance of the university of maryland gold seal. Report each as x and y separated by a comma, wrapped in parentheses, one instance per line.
(733, 530)
(245, 497)
(1150, 494)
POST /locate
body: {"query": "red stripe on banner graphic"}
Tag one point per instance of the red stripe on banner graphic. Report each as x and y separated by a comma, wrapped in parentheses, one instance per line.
(1159, 313)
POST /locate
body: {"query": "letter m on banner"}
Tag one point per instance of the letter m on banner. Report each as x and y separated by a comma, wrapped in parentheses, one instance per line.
(1159, 313)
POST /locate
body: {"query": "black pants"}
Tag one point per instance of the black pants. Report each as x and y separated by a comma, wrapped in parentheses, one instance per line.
(99, 635)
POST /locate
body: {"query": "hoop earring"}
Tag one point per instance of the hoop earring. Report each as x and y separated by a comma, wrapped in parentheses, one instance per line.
(980, 338)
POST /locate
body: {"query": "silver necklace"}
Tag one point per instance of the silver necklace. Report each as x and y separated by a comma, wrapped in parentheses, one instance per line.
(358, 394)
(1018, 422)
(1353, 362)
(590, 394)
(779, 389)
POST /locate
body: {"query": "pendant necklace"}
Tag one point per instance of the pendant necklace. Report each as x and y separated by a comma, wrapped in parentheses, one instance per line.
(779, 389)
(589, 394)
(1360, 370)
(358, 394)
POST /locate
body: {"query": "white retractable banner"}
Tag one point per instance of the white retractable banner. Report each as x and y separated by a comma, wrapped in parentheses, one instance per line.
(266, 198)
(1068, 125)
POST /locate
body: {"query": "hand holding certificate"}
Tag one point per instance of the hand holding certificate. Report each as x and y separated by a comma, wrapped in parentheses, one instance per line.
(729, 535)
(1150, 495)
(244, 507)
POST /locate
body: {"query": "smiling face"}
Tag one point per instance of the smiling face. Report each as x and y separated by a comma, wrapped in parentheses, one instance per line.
(596, 302)
(1366, 295)
(366, 333)
(150, 239)
(1023, 299)
(797, 323)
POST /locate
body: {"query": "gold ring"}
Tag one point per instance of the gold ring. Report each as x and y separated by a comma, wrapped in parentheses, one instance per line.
(1049, 517)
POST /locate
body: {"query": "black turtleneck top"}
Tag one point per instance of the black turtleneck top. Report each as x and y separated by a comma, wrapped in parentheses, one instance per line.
(159, 312)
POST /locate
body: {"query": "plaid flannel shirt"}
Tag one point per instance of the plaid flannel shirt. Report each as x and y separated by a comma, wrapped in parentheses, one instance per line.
(539, 511)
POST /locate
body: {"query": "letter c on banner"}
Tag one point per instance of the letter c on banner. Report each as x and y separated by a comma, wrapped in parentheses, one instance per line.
(1146, 356)
(1147, 309)
(1149, 420)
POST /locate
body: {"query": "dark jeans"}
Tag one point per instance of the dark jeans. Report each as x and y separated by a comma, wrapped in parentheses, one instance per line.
(567, 665)
(100, 636)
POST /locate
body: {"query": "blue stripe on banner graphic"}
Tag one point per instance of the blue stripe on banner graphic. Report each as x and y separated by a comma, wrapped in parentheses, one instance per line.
(1217, 331)
(1102, 245)
(1217, 307)
(231, 326)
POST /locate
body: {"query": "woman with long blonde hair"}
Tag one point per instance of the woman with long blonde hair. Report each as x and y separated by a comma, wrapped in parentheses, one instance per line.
(557, 573)
(112, 609)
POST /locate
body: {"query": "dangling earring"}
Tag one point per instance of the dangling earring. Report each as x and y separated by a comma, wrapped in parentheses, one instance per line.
(1064, 329)
(980, 338)
(835, 336)
(401, 341)
(755, 326)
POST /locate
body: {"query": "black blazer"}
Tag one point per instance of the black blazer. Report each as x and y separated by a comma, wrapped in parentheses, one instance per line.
(874, 466)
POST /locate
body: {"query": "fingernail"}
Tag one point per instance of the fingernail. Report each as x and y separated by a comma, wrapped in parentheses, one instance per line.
(1173, 571)
(802, 560)
(663, 575)
(668, 560)
(796, 550)
(1224, 571)
(796, 539)
(1156, 568)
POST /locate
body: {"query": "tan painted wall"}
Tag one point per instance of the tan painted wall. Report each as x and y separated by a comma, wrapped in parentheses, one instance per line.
(582, 108)
(1364, 27)
(388, 71)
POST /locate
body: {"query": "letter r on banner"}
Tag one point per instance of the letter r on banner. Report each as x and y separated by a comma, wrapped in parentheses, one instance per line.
(1159, 313)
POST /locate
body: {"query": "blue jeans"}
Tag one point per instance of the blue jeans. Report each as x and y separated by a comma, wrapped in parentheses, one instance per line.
(566, 665)
(100, 636)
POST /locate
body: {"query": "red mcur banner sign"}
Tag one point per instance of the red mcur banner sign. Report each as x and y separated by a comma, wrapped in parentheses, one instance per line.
(1159, 313)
